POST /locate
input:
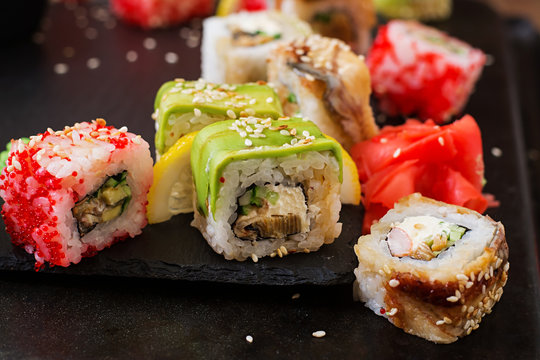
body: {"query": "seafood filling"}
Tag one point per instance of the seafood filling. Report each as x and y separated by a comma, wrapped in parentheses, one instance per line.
(271, 212)
(105, 204)
(423, 237)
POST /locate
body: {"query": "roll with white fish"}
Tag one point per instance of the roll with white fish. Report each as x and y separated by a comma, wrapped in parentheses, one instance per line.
(323, 80)
(266, 187)
(235, 47)
(432, 269)
(68, 194)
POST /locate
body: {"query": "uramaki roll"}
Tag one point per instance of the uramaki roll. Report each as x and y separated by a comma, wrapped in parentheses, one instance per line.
(71, 193)
(266, 187)
(432, 269)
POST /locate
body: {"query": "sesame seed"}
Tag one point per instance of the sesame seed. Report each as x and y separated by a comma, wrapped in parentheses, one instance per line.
(392, 311)
(441, 140)
(452, 299)
(61, 68)
(458, 294)
(149, 43)
(480, 275)
(396, 153)
(171, 57)
(283, 250)
(93, 63)
(137, 140)
(273, 254)
(447, 320)
(231, 114)
(197, 112)
(386, 269)
(464, 308)
(123, 129)
(284, 132)
(319, 334)
(305, 59)
(310, 77)
(253, 256)
(462, 277)
(439, 322)
(249, 339)
(498, 263)
(393, 283)
(483, 288)
(506, 267)
(248, 142)
(295, 296)
(299, 51)
(279, 253)
(269, 99)
(495, 151)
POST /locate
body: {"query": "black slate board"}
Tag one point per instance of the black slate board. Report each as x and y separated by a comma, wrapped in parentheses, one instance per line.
(72, 316)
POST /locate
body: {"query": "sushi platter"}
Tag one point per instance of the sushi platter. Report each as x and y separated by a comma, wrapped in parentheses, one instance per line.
(166, 293)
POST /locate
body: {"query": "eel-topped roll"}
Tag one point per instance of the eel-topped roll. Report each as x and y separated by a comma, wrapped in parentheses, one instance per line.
(71, 193)
(322, 79)
(184, 106)
(266, 187)
(432, 269)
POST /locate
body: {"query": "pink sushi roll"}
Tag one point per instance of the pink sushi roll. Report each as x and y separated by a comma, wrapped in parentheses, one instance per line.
(418, 70)
(71, 193)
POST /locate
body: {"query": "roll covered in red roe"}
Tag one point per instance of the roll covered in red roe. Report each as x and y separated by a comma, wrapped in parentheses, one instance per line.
(71, 193)
(418, 70)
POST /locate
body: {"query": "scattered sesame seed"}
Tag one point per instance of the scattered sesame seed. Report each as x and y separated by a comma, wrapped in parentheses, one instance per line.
(310, 77)
(248, 142)
(253, 256)
(462, 277)
(90, 33)
(171, 57)
(249, 339)
(131, 56)
(495, 151)
(149, 43)
(197, 112)
(441, 140)
(506, 267)
(392, 312)
(393, 283)
(269, 99)
(469, 284)
(386, 269)
(305, 59)
(319, 334)
(447, 320)
(396, 153)
(93, 63)
(283, 250)
(272, 255)
(284, 132)
(279, 253)
(295, 296)
(61, 68)
(452, 299)
(439, 322)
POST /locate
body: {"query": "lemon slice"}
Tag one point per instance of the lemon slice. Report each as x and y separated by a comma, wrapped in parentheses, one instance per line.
(350, 188)
(226, 7)
(172, 190)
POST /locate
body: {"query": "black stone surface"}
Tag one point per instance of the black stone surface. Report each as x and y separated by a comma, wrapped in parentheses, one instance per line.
(61, 314)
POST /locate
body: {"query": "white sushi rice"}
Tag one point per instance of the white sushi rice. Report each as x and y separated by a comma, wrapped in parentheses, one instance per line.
(317, 172)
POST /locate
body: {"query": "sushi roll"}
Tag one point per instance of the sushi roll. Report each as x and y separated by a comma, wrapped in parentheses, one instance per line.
(418, 70)
(323, 80)
(185, 106)
(423, 10)
(266, 187)
(235, 47)
(348, 20)
(71, 193)
(432, 269)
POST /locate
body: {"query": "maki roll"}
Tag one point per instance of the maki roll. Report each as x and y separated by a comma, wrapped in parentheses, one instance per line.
(323, 80)
(419, 70)
(423, 10)
(185, 106)
(71, 193)
(235, 47)
(348, 20)
(266, 187)
(432, 269)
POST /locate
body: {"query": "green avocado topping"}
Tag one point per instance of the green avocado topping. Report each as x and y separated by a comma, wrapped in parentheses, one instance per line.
(217, 102)
(221, 143)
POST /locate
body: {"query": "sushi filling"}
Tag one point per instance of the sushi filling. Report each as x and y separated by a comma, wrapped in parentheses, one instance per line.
(253, 34)
(105, 204)
(423, 237)
(271, 212)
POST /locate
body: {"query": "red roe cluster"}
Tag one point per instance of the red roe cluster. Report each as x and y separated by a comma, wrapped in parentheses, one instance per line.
(36, 200)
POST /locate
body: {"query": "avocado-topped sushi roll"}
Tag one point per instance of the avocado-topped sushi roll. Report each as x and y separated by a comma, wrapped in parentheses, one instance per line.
(71, 193)
(323, 80)
(348, 20)
(423, 10)
(266, 187)
(433, 269)
(183, 106)
(420, 71)
(235, 47)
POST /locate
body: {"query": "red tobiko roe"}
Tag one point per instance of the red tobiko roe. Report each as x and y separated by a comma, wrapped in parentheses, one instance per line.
(253, 5)
(441, 162)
